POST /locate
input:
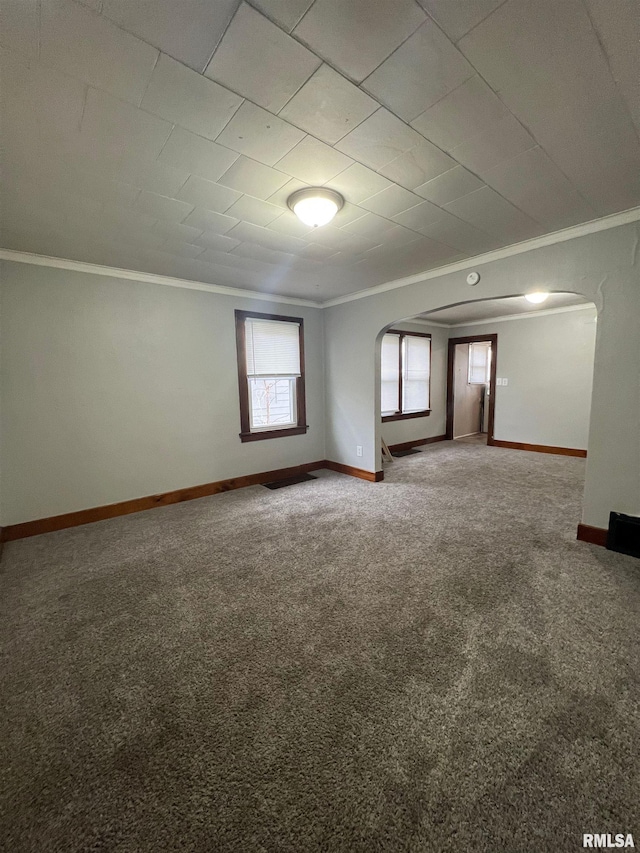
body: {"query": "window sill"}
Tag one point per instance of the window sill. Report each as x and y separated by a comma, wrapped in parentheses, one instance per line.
(406, 416)
(273, 433)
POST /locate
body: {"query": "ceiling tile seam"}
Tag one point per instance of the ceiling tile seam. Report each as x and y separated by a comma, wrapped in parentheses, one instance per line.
(354, 126)
(395, 50)
(328, 62)
(510, 112)
(536, 144)
(159, 54)
(84, 106)
(523, 125)
(603, 223)
(447, 94)
(304, 83)
(406, 124)
(202, 74)
(39, 53)
(99, 13)
(148, 83)
(605, 55)
(375, 98)
(508, 160)
(487, 186)
(486, 17)
(304, 15)
(266, 14)
(223, 34)
(139, 106)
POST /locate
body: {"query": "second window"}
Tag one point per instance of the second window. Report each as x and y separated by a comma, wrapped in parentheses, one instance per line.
(406, 374)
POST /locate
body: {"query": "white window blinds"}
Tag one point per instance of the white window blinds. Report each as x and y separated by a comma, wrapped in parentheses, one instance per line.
(479, 363)
(272, 348)
(415, 386)
(390, 370)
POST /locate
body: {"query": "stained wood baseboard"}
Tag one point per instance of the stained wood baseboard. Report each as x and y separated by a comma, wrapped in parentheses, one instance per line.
(371, 476)
(594, 535)
(99, 513)
(407, 445)
(538, 448)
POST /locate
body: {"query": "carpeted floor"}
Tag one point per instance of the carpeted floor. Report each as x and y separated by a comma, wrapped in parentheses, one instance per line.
(431, 663)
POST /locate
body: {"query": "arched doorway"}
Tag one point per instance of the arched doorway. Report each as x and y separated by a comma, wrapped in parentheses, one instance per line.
(549, 349)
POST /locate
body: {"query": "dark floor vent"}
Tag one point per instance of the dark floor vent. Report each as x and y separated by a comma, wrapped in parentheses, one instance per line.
(400, 453)
(624, 534)
(290, 481)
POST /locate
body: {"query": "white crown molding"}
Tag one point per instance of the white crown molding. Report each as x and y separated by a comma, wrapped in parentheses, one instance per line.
(422, 321)
(150, 278)
(528, 315)
(612, 221)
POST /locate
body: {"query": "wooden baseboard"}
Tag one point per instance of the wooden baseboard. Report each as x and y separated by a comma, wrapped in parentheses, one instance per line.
(407, 445)
(594, 535)
(100, 513)
(371, 476)
(538, 448)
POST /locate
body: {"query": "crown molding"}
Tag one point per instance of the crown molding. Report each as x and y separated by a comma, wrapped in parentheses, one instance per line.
(527, 315)
(150, 278)
(612, 221)
(422, 321)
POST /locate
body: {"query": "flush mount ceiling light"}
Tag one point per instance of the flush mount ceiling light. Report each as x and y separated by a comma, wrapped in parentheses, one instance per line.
(536, 297)
(315, 206)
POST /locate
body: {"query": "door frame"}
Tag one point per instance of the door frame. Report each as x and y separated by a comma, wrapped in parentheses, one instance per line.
(471, 339)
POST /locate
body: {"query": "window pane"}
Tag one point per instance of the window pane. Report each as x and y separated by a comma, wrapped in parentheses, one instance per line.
(272, 402)
(390, 367)
(272, 347)
(479, 362)
(416, 358)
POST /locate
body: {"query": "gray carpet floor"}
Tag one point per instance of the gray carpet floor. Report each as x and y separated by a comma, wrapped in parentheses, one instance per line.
(431, 663)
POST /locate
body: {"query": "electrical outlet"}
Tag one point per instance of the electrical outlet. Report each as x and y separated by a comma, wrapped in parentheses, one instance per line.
(505, 381)
(498, 381)
(359, 450)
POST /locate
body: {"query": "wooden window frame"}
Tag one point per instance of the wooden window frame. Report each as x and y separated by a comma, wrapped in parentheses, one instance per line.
(400, 415)
(243, 384)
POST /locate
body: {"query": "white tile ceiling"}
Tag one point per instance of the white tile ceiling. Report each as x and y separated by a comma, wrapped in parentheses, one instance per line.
(170, 142)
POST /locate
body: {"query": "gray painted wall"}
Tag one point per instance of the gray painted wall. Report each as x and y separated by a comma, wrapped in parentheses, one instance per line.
(603, 266)
(116, 389)
(548, 361)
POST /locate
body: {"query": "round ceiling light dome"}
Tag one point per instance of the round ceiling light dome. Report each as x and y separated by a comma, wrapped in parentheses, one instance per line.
(315, 206)
(536, 297)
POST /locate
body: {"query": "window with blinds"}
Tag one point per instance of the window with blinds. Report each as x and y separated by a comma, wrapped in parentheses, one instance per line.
(271, 373)
(405, 374)
(390, 371)
(479, 363)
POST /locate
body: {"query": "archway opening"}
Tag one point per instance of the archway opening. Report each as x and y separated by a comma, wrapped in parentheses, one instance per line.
(520, 373)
